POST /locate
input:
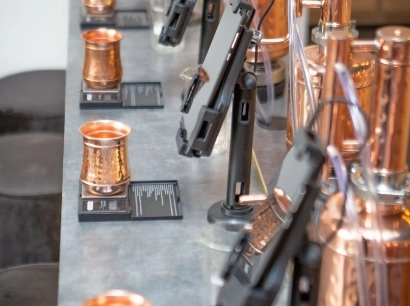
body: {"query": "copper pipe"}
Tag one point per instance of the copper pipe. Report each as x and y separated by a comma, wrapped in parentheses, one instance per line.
(332, 123)
(271, 41)
(336, 12)
(334, 117)
(312, 3)
(390, 120)
(300, 4)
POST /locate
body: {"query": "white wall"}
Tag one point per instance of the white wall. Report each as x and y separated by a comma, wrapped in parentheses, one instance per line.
(34, 35)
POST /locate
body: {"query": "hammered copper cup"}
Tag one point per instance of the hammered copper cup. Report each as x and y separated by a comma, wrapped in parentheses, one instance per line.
(117, 298)
(99, 7)
(105, 169)
(102, 67)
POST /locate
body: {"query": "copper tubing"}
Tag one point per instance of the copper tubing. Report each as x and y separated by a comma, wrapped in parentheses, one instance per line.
(99, 7)
(333, 117)
(102, 67)
(336, 12)
(117, 298)
(300, 4)
(364, 45)
(105, 168)
(274, 29)
(390, 121)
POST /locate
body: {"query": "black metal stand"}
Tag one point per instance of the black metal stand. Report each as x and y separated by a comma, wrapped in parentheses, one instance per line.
(240, 155)
(209, 24)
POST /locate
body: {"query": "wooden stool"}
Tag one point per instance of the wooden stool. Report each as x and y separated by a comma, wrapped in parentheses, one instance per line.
(30, 197)
(29, 285)
(32, 101)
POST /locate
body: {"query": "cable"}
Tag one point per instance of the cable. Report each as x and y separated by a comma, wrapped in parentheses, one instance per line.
(258, 28)
(309, 126)
(323, 103)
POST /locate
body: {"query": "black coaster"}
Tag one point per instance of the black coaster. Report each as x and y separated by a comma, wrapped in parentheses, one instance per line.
(142, 95)
(121, 19)
(149, 200)
(154, 200)
(98, 208)
(92, 21)
(96, 98)
(137, 19)
(126, 95)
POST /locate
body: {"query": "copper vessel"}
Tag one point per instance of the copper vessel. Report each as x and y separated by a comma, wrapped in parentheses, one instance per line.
(274, 29)
(389, 131)
(270, 216)
(99, 7)
(105, 169)
(102, 67)
(338, 285)
(335, 16)
(117, 298)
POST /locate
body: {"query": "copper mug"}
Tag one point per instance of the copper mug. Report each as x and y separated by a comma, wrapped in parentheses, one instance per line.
(117, 298)
(105, 169)
(102, 67)
(99, 7)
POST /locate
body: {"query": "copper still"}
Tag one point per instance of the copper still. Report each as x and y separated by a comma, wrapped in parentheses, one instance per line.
(105, 168)
(275, 39)
(102, 67)
(335, 15)
(274, 28)
(389, 141)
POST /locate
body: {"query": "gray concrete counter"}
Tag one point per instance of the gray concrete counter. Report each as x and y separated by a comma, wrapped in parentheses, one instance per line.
(160, 260)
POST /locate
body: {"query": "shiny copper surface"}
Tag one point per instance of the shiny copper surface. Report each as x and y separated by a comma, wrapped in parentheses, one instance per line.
(336, 12)
(102, 67)
(334, 117)
(270, 216)
(362, 70)
(117, 298)
(338, 286)
(105, 168)
(99, 7)
(390, 120)
(275, 25)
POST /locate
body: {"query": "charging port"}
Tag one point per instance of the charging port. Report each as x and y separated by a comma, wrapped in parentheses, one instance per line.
(244, 116)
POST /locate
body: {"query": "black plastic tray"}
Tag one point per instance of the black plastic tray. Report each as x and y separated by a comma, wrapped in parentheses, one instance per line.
(129, 95)
(121, 19)
(143, 200)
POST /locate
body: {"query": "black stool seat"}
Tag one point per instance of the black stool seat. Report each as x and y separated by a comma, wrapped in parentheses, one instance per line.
(31, 164)
(30, 197)
(32, 101)
(29, 285)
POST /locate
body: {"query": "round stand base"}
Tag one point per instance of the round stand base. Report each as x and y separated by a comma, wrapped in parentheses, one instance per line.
(216, 214)
(275, 124)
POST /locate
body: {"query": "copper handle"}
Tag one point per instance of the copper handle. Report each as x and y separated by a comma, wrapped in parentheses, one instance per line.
(331, 122)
